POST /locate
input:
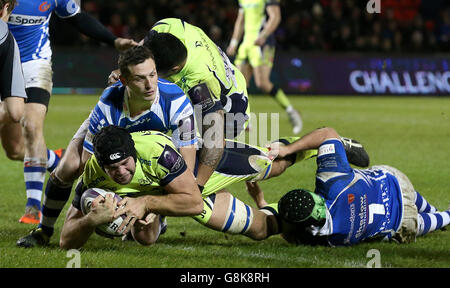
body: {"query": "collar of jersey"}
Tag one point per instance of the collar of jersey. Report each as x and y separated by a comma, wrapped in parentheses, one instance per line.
(126, 111)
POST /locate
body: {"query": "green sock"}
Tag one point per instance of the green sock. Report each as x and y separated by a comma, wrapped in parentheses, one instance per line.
(280, 97)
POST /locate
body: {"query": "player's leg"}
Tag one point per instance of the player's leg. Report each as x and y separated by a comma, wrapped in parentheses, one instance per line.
(12, 141)
(422, 204)
(35, 158)
(58, 188)
(428, 222)
(224, 212)
(12, 109)
(262, 67)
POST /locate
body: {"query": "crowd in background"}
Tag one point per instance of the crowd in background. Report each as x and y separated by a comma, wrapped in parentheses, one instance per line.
(307, 25)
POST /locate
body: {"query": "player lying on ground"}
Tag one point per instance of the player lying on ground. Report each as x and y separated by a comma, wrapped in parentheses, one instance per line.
(350, 205)
(147, 167)
(140, 101)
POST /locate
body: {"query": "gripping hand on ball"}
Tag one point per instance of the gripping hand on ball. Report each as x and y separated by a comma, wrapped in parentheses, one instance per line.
(102, 209)
(134, 209)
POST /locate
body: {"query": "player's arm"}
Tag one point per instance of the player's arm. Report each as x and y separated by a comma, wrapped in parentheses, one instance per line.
(212, 123)
(91, 27)
(311, 140)
(188, 153)
(274, 14)
(183, 198)
(77, 227)
(212, 146)
(238, 31)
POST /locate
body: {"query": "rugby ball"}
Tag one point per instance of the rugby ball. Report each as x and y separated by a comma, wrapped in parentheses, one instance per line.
(108, 229)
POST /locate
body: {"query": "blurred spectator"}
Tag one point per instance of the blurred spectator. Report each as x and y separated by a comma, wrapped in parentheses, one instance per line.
(314, 25)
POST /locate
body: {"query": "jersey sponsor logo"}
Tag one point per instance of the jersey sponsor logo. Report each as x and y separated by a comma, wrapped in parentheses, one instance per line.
(350, 198)
(44, 6)
(326, 149)
(26, 20)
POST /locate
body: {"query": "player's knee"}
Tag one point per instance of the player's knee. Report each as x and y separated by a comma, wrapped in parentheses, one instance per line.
(15, 115)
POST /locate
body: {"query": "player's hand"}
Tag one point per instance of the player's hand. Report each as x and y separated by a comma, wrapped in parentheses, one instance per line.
(134, 209)
(277, 150)
(260, 40)
(231, 50)
(122, 44)
(256, 193)
(113, 77)
(148, 220)
(274, 150)
(102, 209)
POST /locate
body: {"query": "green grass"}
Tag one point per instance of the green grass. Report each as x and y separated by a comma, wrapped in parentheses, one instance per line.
(412, 134)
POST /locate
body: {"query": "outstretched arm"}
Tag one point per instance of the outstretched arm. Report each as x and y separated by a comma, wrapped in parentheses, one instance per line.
(311, 140)
(91, 27)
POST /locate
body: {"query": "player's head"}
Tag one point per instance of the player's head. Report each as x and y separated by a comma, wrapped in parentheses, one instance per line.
(115, 153)
(170, 53)
(138, 72)
(301, 206)
(6, 7)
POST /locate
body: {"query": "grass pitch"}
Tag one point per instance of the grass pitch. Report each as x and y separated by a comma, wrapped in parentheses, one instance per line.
(411, 134)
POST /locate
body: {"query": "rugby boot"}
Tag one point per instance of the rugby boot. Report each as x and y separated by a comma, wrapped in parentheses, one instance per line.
(356, 154)
(37, 237)
(32, 215)
(296, 120)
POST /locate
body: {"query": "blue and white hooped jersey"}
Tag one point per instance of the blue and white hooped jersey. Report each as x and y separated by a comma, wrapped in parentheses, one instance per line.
(171, 111)
(361, 203)
(29, 24)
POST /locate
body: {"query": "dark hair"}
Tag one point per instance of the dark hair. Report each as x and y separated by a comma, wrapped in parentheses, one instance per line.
(169, 51)
(113, 144)
(133, 56)
(12, 4)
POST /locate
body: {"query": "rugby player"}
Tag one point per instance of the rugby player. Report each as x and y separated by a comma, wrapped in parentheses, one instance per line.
(257, 20)
(29, 23)
(140, 101)
(349, 205)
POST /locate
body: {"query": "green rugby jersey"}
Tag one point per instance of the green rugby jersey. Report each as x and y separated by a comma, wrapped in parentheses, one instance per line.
(157, 163)
(254, 17)
(206, 63)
